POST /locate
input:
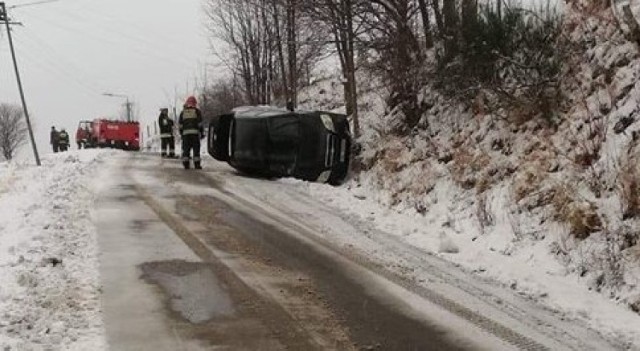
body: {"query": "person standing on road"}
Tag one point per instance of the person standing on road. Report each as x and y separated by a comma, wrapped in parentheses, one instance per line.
(54, 139)
(191, 130)
(166, 134)
(63, 140)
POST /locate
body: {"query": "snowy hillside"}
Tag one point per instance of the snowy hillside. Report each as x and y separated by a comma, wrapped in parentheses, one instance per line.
(549, 211)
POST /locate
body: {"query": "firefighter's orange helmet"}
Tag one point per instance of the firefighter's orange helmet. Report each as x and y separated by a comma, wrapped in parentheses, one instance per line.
(191, 101)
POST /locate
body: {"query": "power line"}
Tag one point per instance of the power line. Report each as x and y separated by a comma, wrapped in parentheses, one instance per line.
(31, 4)
(140, 52)
(30, 36)
(136, 49)
(140, 29)
(40, 59)
(114, 30)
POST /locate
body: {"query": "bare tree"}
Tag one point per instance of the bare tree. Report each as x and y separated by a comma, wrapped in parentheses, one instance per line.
(391, 28)
(265, 38)
(292, 37)
(241, 25)
(220, 97)
(339, 17)
(450, 28)
(426, 23)
(277, 31)
(13, 130)
(469, 10)
(437, 13)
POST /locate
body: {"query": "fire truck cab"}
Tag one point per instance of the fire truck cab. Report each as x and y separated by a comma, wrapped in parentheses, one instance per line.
(84, 135)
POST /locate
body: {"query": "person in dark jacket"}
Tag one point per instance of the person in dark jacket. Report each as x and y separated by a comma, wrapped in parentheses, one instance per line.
(166, 134)
(191, 130)
(54, 139)
(63, 140)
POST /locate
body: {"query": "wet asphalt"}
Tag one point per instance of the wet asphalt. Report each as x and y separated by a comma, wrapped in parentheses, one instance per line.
(186, 271)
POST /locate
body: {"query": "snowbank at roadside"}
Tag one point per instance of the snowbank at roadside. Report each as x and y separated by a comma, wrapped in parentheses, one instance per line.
(512, 202)
(525, 266)
(50, 290)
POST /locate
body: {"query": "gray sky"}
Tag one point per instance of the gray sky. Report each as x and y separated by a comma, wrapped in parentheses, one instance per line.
(72, 51)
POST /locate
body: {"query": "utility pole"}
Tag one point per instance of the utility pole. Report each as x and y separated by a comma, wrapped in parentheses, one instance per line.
(128, 104)
(4, 16)
(128, 110)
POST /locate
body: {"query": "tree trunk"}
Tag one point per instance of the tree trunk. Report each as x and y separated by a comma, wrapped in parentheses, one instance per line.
(292, 52)
(435, 5)
(469, 20)
(451, 28)
(352, 96)
(426, 25)
(282, 64)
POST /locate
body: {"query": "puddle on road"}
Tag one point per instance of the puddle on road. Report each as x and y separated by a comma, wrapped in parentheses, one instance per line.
(192, 288)
(139, 226)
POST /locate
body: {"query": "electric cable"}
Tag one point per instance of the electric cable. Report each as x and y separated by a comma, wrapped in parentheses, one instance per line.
(65, 60)
(91, 36)
(35, 55)
(155, 49)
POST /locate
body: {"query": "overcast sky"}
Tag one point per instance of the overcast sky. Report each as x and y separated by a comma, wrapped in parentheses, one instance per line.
(70, 52)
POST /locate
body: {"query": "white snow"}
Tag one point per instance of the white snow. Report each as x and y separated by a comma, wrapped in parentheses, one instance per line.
(46, 215)
(407, 195)
(49, 290)
(526, 267)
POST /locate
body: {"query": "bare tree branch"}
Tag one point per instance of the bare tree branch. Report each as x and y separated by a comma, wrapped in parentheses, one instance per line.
(13, 130)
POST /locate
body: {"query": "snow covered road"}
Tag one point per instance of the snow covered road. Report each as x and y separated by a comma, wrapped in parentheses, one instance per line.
(435, 291)
(189, 260)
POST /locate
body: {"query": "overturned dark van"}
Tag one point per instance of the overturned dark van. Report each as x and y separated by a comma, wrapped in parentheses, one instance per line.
(272, 142)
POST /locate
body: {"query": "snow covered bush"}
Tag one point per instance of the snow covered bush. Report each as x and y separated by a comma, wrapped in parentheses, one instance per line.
(629, 190)
(580, 215)
(512, 61)
(467, 166)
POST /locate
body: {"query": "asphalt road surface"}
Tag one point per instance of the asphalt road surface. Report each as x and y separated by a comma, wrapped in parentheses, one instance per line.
(188, 264)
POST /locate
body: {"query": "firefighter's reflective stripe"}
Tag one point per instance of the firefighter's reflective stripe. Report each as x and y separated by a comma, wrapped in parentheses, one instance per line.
(190, 132)
(166, 135)
(63, 138)
(196, 159)
(189, 114)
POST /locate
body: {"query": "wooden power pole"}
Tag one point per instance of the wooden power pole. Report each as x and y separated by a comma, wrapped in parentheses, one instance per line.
(4, 16)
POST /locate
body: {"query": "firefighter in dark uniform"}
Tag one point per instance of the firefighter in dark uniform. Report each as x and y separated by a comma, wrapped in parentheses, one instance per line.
(63, 140)
(191, 130)
(55, 139)
(166, 134)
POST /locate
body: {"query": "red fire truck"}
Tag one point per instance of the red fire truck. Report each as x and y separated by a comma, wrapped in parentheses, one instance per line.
(108, 133)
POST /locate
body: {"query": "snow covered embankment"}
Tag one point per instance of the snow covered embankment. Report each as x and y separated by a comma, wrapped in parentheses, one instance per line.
(550, 212)
(50, 288)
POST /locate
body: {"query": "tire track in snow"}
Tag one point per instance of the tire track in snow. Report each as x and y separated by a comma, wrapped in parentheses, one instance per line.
(499, 330)
(559, 335)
